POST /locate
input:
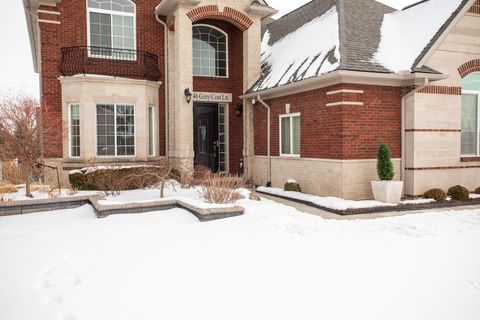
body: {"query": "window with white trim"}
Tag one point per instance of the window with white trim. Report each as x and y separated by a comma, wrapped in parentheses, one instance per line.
(290, 134)
(115, 130)
(111, 26)
(151, 131)
(209, 51)
(471, 114)
(74, 129)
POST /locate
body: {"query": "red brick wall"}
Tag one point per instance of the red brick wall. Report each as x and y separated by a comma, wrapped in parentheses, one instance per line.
(73, 32)
(337, 132)
(233, 84)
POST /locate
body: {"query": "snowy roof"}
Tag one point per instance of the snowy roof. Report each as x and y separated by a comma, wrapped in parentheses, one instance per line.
(362, 35)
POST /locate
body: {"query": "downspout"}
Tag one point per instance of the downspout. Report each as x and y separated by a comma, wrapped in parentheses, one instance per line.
(404, 119)
(269, 182)
(167, 82)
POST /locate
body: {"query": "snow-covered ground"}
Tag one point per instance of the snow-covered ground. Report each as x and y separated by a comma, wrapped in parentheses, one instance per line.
(271, 263)
(337, 203)
(20, 194)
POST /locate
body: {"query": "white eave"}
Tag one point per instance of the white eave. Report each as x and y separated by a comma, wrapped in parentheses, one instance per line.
(346, 76)
(263, 11)
(31, 15)
(168, 6)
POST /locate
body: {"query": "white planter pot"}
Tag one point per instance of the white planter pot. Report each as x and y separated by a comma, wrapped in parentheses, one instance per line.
(387, 191)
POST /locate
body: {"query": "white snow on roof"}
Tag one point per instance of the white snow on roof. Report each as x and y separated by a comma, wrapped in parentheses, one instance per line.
(303, 53)
(406, 33)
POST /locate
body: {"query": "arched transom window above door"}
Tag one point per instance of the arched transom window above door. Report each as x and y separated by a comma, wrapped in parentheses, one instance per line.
(209, 51)
(111, 25)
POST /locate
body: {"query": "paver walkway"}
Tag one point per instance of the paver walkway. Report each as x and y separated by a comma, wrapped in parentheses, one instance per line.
(327, 215)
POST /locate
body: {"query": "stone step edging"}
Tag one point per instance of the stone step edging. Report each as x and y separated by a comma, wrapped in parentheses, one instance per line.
(102, 211)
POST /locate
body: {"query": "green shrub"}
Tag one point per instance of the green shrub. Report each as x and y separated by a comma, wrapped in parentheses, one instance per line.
(459, 193)
(384, 163)
(436, 194)
(477, 191)
(292, 185)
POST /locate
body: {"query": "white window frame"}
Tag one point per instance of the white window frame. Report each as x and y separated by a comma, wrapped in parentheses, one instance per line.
(112, 12)
(477, 93)
(226, 49)
(70, 130)
(151, 122)
(227, 136)
(115, 124)
(291, 116)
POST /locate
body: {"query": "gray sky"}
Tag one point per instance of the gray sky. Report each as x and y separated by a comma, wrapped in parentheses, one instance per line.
(16, 68)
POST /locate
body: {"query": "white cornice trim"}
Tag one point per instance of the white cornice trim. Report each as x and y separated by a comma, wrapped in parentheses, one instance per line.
(346, 76)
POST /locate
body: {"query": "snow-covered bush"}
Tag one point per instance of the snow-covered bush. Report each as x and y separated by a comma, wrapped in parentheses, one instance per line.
(221, 188)
(292, 185)
(112, 179)
(384, 163)
(459, 193)
(436, 194)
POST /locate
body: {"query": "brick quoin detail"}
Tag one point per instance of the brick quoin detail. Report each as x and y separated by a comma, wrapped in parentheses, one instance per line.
(469, 67)
(233, 16)
(435, 90)
(433, 130)
(342, 132)
(475, 8)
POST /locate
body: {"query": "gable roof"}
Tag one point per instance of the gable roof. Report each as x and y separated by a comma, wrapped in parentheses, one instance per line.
(359, 35)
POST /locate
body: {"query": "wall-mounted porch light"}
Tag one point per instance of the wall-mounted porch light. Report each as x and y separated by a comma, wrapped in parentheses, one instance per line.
(188, 95)
(239, 109)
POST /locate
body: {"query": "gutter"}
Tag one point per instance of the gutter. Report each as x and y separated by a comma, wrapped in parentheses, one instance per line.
(30, 17)
(167, 82)
(269, 155)
(404, 119)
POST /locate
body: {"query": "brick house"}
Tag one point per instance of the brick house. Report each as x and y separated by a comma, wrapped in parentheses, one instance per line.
(309, 96)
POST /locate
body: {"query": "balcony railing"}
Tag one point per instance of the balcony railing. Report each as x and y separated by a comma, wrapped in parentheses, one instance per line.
(110, 62)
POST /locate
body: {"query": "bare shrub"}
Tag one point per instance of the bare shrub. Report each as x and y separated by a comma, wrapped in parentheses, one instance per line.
(11, 172)
(221, 188)
(21, 132)
(6, 187)
(158, 175)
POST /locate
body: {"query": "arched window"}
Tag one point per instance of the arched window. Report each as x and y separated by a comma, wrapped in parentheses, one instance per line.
(111, 26)
(209, 51)
(471, 114)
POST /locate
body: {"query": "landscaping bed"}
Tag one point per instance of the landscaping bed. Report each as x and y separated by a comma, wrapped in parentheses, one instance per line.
(351, 207)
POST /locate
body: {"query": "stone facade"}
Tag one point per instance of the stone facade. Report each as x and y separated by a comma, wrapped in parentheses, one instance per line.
(433, 118)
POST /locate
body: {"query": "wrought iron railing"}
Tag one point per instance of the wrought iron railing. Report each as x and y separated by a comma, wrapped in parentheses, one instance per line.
(109, 61)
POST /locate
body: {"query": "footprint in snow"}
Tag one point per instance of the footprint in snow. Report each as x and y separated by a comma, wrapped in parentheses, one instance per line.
(48, 271)
(55, 299)
(75, 281)
(67, 316)
(42, 285)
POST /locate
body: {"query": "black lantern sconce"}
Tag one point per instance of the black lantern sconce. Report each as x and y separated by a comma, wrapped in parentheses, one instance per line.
(239, 109)
(188, 95)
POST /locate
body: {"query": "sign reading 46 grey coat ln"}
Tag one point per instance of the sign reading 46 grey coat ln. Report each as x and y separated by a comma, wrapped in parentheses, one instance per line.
(212, 97)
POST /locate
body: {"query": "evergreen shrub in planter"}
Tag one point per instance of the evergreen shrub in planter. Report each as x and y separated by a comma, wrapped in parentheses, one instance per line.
(386, 190)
